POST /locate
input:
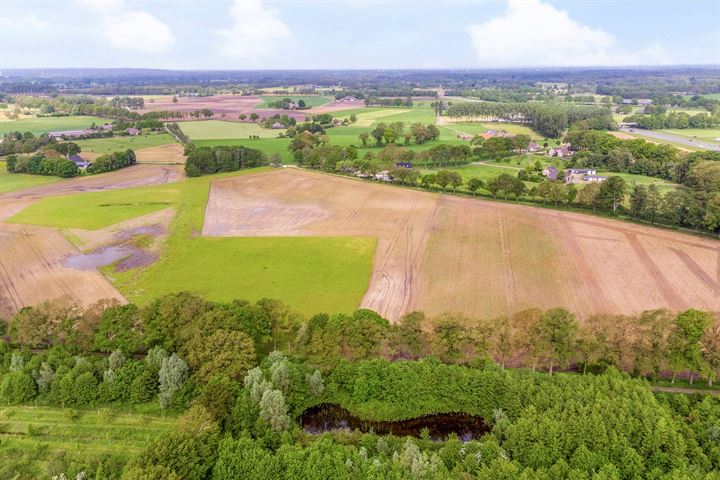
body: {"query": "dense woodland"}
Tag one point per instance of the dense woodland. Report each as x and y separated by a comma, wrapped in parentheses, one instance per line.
(221, 364)
(208, 160)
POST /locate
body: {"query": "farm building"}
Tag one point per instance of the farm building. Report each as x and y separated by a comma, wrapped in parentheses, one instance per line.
(70, 133)
(133, 131)
(583, 175)
(561, 151)
(551, 172)
(464, 136)
(403, 164)
(79, 161)
(533, 147)
(277, 125)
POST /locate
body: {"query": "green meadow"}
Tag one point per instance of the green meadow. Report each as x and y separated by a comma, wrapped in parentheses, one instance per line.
(9, 182)
(705, 134)
(221, 130)
(113, 144)
(40, 442)
(310, 100)
(42, 125)
(311, 274)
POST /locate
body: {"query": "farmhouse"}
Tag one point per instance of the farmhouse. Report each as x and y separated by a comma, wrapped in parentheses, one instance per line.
(550, 172)
(403, 164)
(561, 151)
(348, 99)
(133, 131)
(464, 136)
(79, 161)
(533, 147)
(583, 175)
(277, 125)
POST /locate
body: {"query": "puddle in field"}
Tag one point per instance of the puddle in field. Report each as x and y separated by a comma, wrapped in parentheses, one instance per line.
(99, 257)
(152, 230)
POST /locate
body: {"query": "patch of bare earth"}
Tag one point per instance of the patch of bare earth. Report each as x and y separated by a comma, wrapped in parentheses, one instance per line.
(440, 253)
(171, 153)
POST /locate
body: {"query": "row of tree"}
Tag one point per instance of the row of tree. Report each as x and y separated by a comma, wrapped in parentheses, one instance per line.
(208, 160)
(112, 161)
(679, 120)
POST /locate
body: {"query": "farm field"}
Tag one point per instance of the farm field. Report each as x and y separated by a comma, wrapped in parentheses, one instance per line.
(40, 125)
(476, 128)
(663, 186)
(38, 442)
(171, 153)
(222, 269)
(439, 253)
(220, 130)
(103, 146)
(10, 182)
(310, 100)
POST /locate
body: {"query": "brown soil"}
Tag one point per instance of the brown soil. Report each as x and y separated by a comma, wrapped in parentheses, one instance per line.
(442, 253)
(163, 154)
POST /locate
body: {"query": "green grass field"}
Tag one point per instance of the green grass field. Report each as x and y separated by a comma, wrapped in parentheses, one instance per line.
(310, 100)
(39, 442)
(663, 186)
(49, 124)
(113, 144)
(9, 182)
(475, 128)
(310, 274)
(94, 210)
(220, 130)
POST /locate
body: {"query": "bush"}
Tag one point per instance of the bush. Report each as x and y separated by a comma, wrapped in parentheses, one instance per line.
(17, 387)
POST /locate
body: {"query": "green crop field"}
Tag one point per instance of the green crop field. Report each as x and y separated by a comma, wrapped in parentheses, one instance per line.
(9, 182)
(663, 186)
(40, 442)
(220, 130)
(113, 144)
(476, 128)
(310, 100)
(41, 125)
(268, 146)
(310, 274)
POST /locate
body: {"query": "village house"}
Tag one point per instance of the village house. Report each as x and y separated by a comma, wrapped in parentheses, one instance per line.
(133, 131)
(551, 172)
(277, 125)
(533, 147)
(583, 175)
(562, 151)
(79, 161)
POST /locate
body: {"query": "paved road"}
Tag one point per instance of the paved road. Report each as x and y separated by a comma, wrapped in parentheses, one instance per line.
(669, 137)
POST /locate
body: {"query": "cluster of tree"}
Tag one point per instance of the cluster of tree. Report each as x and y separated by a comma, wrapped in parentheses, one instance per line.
(42, 164)
(389, 102)
(208, 160)
(134, 103)
(74, 105)
(548, 119)
(500, 146)
(283, 120)
(288, 104)
(112, 161)
(385, 134)
(678, 120)
(16, 142)
(492, 94)
(244, 394)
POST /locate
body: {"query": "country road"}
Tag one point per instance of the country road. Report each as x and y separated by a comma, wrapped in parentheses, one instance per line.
(669, 137)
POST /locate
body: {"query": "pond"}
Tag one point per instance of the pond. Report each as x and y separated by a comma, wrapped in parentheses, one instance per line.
(99, 257)
(328, 417)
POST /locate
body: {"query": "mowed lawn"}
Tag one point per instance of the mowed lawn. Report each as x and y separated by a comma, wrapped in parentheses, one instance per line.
(705, 134)
(476, 128)
(310, 100)
(9, 182)
(663, 186)
(311, 274)
(42, 125)
(114, 144)
(220, 130)
(36, 441)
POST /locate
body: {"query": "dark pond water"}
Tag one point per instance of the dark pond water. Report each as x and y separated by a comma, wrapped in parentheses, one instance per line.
(327, 417)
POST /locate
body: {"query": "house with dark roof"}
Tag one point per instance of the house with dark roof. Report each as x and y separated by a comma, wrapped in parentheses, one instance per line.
(561, 151)
(583, 175)
(133, 131)
(551, 172)
(69, 133)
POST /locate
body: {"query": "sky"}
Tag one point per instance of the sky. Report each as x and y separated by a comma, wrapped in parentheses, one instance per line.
(357, 34)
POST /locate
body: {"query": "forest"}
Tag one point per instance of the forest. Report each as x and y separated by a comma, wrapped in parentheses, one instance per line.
(208, 160)
(220, 365)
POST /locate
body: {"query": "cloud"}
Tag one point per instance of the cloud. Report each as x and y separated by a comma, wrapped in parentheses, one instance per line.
(139, 31)
(100, 5)
(27, 23)
(256, 31)
(532, 33)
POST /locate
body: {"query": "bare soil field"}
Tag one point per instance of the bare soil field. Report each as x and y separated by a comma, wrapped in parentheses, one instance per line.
(441, 253)
(32, 267)
(164, 154)
(233, 105)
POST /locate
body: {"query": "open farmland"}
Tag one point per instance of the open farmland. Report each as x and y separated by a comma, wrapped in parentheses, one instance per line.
(42, 125)
(310, 100)
(219, 130)
(103, 146)
(439, 253)
(17, 181)
(38, 441)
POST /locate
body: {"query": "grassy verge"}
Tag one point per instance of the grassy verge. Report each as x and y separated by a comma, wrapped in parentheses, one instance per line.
(9, 182)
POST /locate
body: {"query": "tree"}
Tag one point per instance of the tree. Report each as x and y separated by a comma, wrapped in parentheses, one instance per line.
(612, 192)
(712, 214)
(254, 116)
(557, 333)
(690, 327)
(120, 328)
(474, 184)
(409, 335)
(710, 351)
(652, 205)
(274, 410)
(638, 200)
(172, 375)
(229, 352)
(589, 195)
(364, 138)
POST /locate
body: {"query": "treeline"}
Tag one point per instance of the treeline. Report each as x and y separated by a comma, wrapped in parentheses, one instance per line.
(17, 142)
(389, 102)
(385, 134)
(208, 160)
(128, 102)
(178, 133)
(112, 161)
(220, 360)
(42, 164)
(679, 120)
(548, 119)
